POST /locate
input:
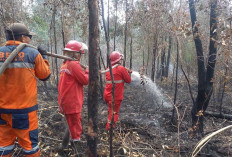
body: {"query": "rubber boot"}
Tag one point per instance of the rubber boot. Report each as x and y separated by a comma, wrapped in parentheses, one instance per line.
(78, 148)
(65, 140)
(64, 144)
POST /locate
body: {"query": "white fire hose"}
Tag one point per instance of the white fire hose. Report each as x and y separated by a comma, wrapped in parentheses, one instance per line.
(11, 57)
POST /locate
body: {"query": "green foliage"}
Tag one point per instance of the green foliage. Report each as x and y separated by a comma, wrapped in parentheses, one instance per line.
(188, 52)
(40, 27)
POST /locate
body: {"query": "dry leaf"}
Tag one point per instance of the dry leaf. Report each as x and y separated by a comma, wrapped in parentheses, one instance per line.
(200, 113)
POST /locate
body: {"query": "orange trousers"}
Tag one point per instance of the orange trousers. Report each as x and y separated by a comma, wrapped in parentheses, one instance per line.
(116, 112)
(24, 127)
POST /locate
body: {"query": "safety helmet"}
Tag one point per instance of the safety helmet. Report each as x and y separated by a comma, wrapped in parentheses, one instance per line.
(75, 46)
(115, 56)
(18, 29)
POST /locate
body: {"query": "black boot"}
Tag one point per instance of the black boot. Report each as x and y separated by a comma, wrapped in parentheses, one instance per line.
(65, 140)
(64, 144)
(79, 148)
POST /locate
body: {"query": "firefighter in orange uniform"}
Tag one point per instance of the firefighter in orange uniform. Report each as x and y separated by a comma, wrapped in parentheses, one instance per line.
(18, 93)
(121, 75)
(70, 98)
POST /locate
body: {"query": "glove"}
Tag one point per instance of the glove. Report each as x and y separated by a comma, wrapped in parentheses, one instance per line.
(129, 70)
(41, 50)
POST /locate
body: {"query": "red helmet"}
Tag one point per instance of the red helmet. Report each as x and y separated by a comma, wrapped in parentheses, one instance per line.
(115, 56)
(74, 46)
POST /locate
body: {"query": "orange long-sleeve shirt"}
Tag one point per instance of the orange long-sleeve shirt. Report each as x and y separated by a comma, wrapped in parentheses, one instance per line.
(18, 85)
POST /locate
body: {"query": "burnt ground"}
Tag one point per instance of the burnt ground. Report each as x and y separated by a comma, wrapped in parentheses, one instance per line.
(144, 128)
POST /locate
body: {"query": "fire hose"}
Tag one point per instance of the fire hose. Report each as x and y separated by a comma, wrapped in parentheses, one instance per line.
(22, 45)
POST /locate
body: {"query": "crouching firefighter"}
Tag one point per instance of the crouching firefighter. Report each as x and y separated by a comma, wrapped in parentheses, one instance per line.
(18, 93)
(121, 75)
(70, 88)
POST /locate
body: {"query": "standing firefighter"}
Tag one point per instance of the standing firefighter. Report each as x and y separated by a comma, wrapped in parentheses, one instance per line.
(18, 93)
(72, 80)
(121, 75)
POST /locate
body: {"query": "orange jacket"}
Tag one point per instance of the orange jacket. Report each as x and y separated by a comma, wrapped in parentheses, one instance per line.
(18, 85)
(119, 73)
(72, 80)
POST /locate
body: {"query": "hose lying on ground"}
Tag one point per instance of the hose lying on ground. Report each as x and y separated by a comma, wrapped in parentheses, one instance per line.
(206, 139)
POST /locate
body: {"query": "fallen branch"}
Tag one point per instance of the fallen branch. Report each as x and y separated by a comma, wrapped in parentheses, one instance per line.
(218, 115)
(53, 139)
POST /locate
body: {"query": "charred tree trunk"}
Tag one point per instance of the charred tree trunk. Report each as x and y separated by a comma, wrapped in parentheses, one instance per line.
(223, 89)
(158, 71)
(166, 71)
(74, 34)
(125, 36)
(102, 59)
(162, 64)
(112, 78)
(173, 74)
(62, 32)
(131, 54)
(2, 23)
(93, 87)
(52, 60)
(212, 53)
(108, 19)
(115, 24)
(176, 82)
(201, 71)
(205, 76)
(62, 24)
(106, 32)
(154, 58)
(54, 31)
(148, 54)
(143, 58)
(101, 81)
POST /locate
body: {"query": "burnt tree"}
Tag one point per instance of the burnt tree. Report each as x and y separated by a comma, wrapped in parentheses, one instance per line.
(115, 23)
(158, 70)
(55, 40)
(131, 54)
(176, 82)
(125, 35)
(205, 75)
(143, 58)
(163, 56)
(112, 79)
(93, 87)
(168, 57)
(155, 47)
(148, 54)
(62, 23)
(106, 32)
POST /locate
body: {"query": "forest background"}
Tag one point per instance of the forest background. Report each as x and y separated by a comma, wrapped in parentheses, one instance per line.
(183, 46)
